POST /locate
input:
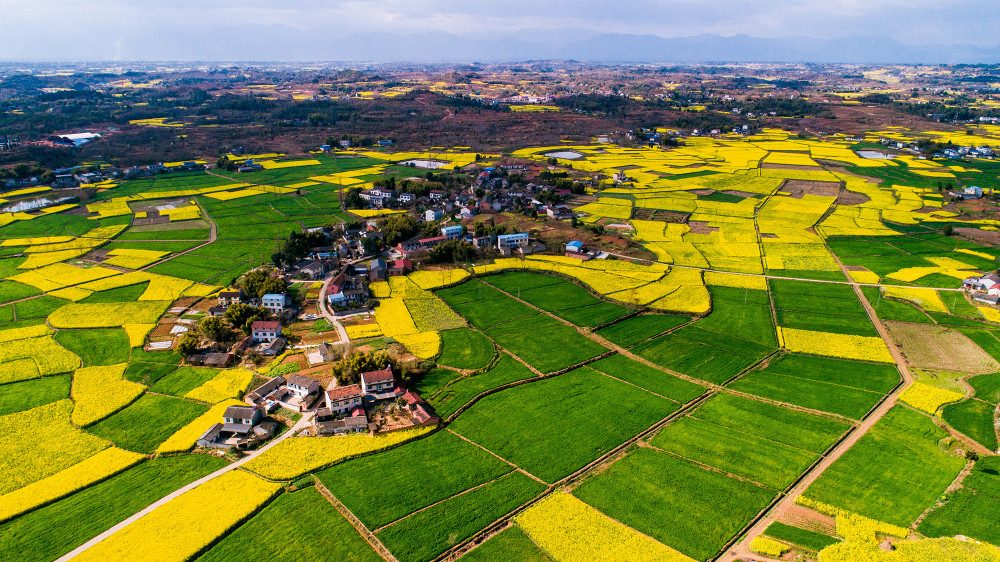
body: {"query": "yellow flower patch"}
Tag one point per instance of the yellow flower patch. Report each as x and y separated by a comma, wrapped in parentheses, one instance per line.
(98, 467)
(720, 279)
(227, 384)
(27, 358)
(61, 275)
(434, 279)
(864, 276)
(133, 258)
(101, 391)
(361, 331)
(991, 314)
(71, 293)
(572, 531)
(40, 442)
(424, 344)
(929, 398)
(107, 315)
(181, 528)
(42, 259)
(768, 547)
(184, 438)
(863, 348)
(928, 299)
(298, 455)
(137, 333)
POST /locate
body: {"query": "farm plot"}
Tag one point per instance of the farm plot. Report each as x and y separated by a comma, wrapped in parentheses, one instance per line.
(459, 392)
(562, 298)
(424, 535)
(509, 544)
(674, 501)
(554, 441)
(296, 526)
(170, 533)
(938, 347)
(749, 317)
(790, 427)
(146, 423)
(463, 348)
(633, 330)
(439, 467)
(816, 395)
(552, 348)
(482, 305)
(970, 510)
(974, 418)
(183, 380)
(820, 307)
(92, 510)
(17, 397)
(702, 354)
(644, 376)
(892, 473)
(96, 347)
(572, 530)
(772, 464)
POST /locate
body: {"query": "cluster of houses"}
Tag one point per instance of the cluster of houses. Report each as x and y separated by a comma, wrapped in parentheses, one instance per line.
(265, 335)
(984, 289)
(506, 244)
(339, 409)
(491, 192)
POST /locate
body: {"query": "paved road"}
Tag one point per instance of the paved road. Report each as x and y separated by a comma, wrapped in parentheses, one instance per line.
(321, 305)
(301, 424)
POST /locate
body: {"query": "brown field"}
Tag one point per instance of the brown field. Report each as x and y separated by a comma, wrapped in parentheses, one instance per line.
(927, 346)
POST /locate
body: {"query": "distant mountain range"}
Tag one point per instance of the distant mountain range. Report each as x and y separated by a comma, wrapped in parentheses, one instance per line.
(284, 43)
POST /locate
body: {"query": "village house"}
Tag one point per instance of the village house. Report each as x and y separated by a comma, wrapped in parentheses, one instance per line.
(350, 287)
(315, 269)
(508, 243)
(984, 283)
(274, 302)
(423, 414)
(431, 215)
(241, 427)
(376, 270)
(322, 354)
(378, 382)
(274, 347)
(344, 398)
(266, 391)
(265, 331)
(452, 232)
(227, 298)
(400, 267)
(328, 423)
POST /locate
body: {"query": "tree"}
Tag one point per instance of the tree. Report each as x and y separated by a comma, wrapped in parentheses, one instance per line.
(188, 344)
(263, 282)
(214, 328)
(277, 258)
(242, 316)
(947, 229)
(349, 369)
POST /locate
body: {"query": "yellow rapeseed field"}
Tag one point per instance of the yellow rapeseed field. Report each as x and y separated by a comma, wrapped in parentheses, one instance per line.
(98, 467)
(572, 531)
(227, 384)
(185, 525)
(296, 456)
(40, 442)
(107, 314)
(929, 398)
(360, 331)
(101, 391)
(836, 345)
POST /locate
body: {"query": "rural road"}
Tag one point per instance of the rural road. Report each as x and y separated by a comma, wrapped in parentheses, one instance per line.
(301, 424)
(741, 550)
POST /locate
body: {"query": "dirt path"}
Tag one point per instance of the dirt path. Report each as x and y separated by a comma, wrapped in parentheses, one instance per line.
(741, 550)
(301, 424)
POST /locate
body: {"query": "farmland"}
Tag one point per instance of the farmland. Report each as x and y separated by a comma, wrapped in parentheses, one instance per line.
(648, 398)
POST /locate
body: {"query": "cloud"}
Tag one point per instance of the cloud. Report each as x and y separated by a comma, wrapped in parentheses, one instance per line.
(49, 28)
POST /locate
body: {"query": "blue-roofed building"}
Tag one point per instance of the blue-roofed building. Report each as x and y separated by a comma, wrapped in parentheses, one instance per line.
(574, 246)
(274, 302)
(452, 232)
(510, 242)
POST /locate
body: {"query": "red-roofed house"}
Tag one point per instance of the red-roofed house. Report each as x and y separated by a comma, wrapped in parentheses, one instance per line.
(344, 398)
(378, 381)
(265, 330)
(400, 267)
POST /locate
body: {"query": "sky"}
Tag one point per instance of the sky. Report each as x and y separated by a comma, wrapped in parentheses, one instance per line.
(57, 29)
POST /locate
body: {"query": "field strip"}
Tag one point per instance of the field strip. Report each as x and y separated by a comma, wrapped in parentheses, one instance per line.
(178, 492)
(462, 493)
(213, 235)
(741, 549)
(369, 536)
(526, 473)
(766, 276)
